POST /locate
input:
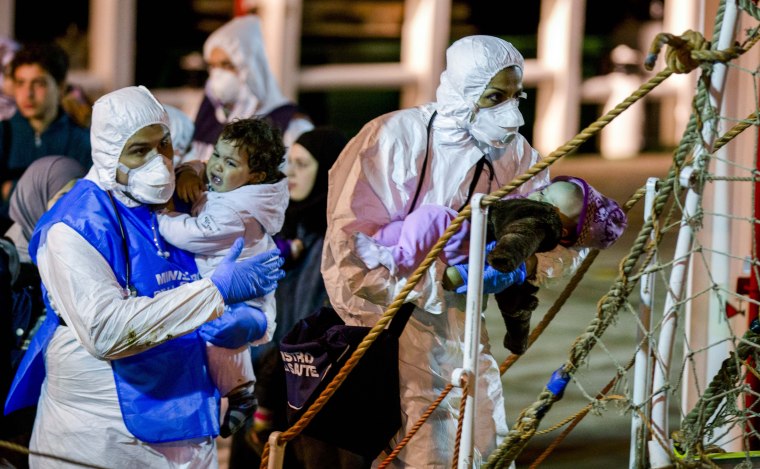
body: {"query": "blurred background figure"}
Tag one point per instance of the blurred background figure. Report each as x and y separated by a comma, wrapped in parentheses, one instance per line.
(241, 84)
(181, 128)
(40, 126)
(42, 184)
(78, 105)
(8, 48)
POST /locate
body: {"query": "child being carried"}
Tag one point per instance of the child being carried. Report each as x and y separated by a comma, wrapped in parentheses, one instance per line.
(247, 196)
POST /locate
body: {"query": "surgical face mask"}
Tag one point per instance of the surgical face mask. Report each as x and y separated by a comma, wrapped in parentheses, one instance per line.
(224, 85)
(151, 183)
(496, 126)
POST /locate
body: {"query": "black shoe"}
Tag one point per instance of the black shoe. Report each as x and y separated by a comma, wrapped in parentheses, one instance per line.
(240, 408)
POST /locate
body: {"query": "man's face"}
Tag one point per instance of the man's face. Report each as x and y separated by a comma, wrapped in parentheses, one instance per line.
(36, 92)
(138, 150)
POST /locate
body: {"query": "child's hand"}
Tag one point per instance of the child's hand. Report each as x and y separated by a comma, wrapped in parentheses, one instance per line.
(189, 186)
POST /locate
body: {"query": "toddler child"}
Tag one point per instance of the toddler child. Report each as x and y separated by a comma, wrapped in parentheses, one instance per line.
(247, 196)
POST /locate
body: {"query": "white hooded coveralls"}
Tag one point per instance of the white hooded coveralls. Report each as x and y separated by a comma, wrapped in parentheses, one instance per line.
(78, 415)
(373, 183)
(241, 39)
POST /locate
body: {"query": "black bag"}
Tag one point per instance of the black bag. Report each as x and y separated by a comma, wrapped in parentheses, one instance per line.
(365, 411)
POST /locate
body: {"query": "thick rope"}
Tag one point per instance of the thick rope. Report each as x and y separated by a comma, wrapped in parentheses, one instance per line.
(751, 8)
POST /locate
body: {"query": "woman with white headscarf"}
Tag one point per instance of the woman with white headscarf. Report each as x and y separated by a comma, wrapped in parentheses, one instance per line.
(119, 363)
(464, 143)
(241, 85)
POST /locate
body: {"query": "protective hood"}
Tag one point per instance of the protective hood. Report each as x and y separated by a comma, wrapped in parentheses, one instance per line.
(116, 116)
(471, 62)
(242, 40)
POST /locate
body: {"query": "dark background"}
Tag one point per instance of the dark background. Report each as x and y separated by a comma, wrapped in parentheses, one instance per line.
(168, 31)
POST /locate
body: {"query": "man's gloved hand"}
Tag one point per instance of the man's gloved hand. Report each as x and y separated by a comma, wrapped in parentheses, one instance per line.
(239, 325)
(251, 278)
(494, 280)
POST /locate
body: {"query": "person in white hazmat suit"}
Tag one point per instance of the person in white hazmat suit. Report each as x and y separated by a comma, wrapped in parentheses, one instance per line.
(181, 127)
(125, 377)
(241, 85)
(468, 143)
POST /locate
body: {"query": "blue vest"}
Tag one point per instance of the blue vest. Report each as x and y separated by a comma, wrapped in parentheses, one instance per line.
(165, 393)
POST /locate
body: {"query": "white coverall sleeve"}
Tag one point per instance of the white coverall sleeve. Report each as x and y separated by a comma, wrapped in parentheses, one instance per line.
(206, 234)
(84, 291)
(360, 208)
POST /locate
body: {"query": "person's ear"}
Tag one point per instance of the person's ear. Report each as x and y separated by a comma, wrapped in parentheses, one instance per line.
(257, 177)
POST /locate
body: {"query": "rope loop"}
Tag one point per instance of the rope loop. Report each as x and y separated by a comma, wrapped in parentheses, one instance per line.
(678, 57)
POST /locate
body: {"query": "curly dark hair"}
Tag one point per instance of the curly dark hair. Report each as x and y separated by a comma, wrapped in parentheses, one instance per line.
(49, 56)
(261, 141)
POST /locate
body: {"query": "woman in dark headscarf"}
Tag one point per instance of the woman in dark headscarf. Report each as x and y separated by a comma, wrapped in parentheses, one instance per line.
(298, 295)
(41, 182)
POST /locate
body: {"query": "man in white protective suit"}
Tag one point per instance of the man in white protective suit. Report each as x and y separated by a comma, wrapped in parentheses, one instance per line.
(466, 142)
(119, 363)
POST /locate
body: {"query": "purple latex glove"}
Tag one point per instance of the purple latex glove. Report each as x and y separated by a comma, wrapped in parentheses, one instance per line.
(412, 238)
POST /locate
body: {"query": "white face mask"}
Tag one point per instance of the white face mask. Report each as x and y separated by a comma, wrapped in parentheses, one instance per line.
(224, 85)
(495, 126)
(151, 183)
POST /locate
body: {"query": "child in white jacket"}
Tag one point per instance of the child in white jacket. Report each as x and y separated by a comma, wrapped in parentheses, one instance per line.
(247, 196)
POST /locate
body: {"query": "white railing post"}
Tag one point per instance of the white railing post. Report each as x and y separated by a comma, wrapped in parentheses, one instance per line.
(642, 370)
(472, 329)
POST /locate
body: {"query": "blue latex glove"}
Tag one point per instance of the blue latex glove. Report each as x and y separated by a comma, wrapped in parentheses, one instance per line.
(494, 280)
(239, 325)
(251, 278)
